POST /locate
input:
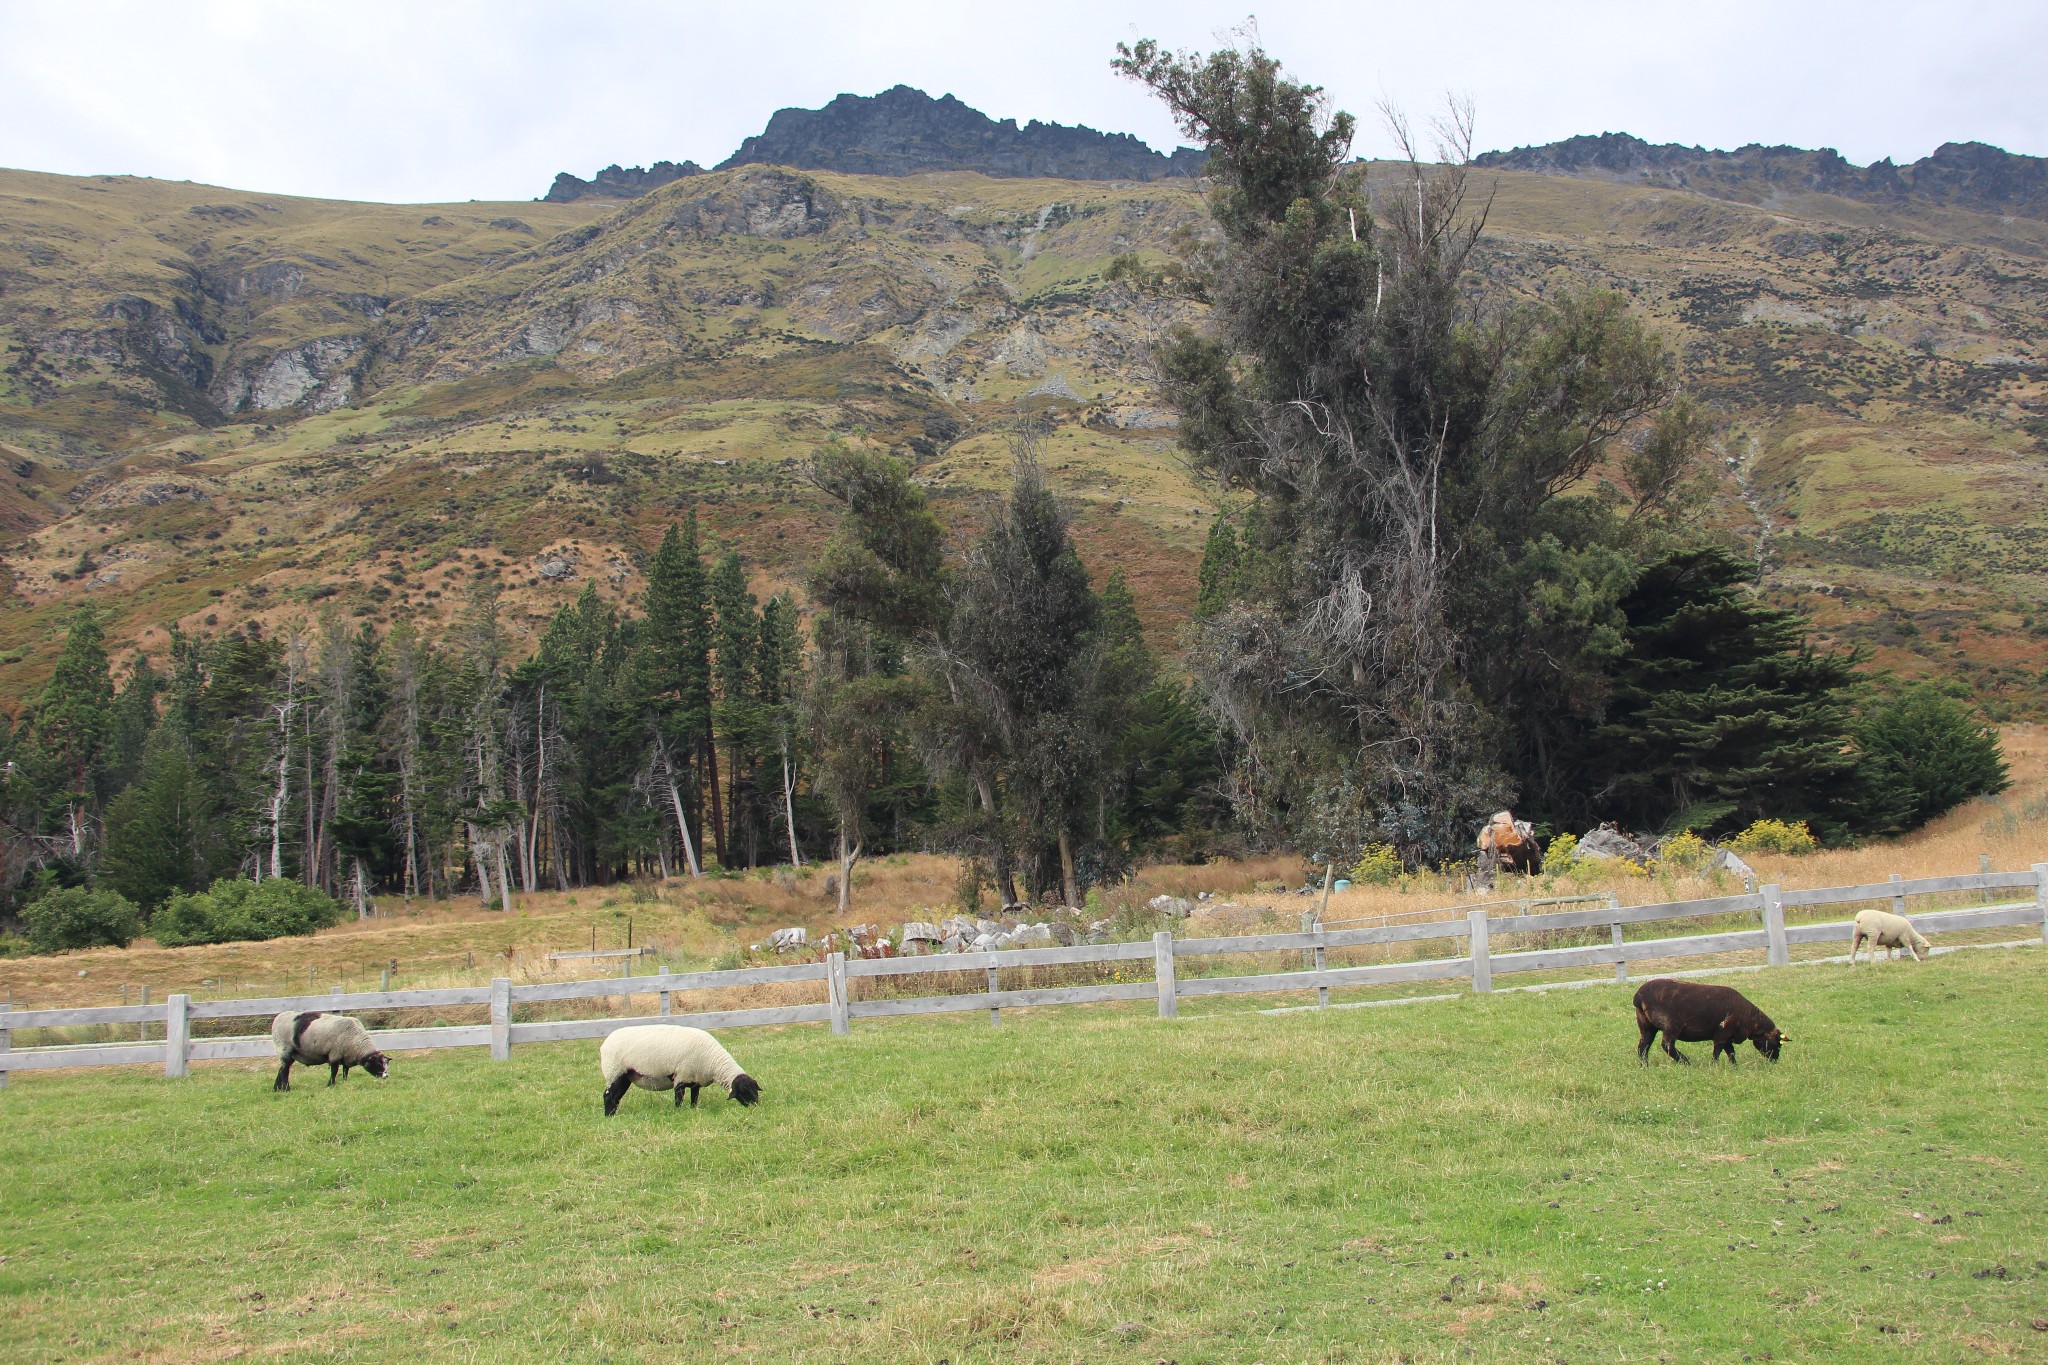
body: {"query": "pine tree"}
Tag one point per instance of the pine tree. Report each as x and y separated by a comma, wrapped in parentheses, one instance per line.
(67, 753)
(161, 836)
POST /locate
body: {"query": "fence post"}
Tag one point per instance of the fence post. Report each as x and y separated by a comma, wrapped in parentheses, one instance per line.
(2041, 898)
(501, 1018)
(1482, 958)
(665, 1000)
(995, 1013)
(835, 992)
(177, 1032)
(6, 1037)
(1162, 966)
(1898, 897)
(1308, 926)
(1620, 967)
(1777, 952)
(142, 1028)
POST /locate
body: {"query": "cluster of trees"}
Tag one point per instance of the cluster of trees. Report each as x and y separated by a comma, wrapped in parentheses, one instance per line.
(1467, 567)
(1002, 707)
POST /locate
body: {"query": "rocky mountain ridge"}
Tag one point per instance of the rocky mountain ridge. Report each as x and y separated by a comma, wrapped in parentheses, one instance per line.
(904, 131)
(1965, 175)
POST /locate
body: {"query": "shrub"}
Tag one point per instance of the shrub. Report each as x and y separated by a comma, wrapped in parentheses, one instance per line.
(1921, 754)
(1685, 851)
(233, 909)
(1775, 836)
(1378, 865)
(1564, 848)
(75, 917)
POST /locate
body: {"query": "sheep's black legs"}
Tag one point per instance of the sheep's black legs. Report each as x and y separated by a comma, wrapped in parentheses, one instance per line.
(680, 1088)
(333, 1070)
(284, 1075)
(1671, 1047)
(1649, 1033)
(614, 1091)
(693, 1095)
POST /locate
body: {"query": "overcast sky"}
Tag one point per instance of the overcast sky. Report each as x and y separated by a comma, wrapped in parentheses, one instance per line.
(428, 100)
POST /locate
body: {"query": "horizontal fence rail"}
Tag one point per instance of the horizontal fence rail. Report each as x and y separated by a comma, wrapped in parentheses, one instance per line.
(1474, 937)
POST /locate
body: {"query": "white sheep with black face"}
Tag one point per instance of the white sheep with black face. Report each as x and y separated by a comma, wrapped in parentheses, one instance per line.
(332, 1040)
(670, 1057)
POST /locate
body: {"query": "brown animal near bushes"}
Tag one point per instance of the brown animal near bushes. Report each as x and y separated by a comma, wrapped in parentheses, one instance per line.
(1509, 844)
(1694, 1012)
(1882, 929)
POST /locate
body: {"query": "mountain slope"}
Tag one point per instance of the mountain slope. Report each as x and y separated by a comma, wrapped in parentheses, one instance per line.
(221, 407)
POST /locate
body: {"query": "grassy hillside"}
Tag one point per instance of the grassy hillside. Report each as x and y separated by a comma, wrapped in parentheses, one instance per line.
(219, 407)
(1486, 1179)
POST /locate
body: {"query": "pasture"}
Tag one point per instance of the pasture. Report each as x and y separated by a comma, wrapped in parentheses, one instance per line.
(1493, 1178)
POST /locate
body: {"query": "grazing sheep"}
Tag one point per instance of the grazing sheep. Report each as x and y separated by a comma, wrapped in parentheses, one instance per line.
(1882, 929)
(665, 1056)
(1694, 1012)
(336, 1040)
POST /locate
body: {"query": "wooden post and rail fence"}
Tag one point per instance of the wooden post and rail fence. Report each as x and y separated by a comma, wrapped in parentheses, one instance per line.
(1471, 937)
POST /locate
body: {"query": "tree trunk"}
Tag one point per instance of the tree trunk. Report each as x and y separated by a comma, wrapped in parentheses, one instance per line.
(504, 881)
(847, 858)
(1005, 874)
(796, 859)
(480, 856)
(717, 805)
(361, 892)
(675, 798)
(1069, 883)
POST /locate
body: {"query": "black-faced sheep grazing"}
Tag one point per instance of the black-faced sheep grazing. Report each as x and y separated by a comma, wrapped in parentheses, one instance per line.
(670, 1056)
(1882, 929)
(332, 1040)
(1694, 1012)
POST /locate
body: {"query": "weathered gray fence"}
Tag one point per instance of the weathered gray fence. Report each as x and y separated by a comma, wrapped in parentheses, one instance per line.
(1472, 958)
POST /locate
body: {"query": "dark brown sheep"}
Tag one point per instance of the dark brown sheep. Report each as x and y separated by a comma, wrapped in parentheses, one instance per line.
(1693, 1012)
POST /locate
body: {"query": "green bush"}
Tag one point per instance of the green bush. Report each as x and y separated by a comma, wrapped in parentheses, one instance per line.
(1775, 836)
(1564, 848)
(1921, 754)
(75, 917)
(233, 909)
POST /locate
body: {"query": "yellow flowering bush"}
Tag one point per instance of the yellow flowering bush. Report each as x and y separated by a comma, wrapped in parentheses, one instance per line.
(1775, 836)
(1378, 865)
(1685, 851)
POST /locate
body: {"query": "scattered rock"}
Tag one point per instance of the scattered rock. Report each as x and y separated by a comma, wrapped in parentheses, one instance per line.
(789, 940)
(1609, 842)
(1171, 905)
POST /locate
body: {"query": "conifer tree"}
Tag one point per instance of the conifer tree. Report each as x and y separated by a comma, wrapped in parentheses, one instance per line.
(67, 753)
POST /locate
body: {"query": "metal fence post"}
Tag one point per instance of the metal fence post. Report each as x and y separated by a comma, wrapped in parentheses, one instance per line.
(835, 992)
(1482, 958)
(501, 1018)
(177, 1033)
(1162, 966)
(1898, 897)
(2041, 898)
(1777, 952)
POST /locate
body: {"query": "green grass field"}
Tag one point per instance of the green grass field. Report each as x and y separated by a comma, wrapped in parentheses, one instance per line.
(1485, 1179)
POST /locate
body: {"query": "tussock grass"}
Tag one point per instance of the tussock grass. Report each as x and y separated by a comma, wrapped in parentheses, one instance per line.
(1489, 1179)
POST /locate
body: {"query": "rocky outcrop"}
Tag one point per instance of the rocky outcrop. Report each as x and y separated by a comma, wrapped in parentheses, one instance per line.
(317, 376)
(1965, 175)
(618, 182)
(905, 131)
